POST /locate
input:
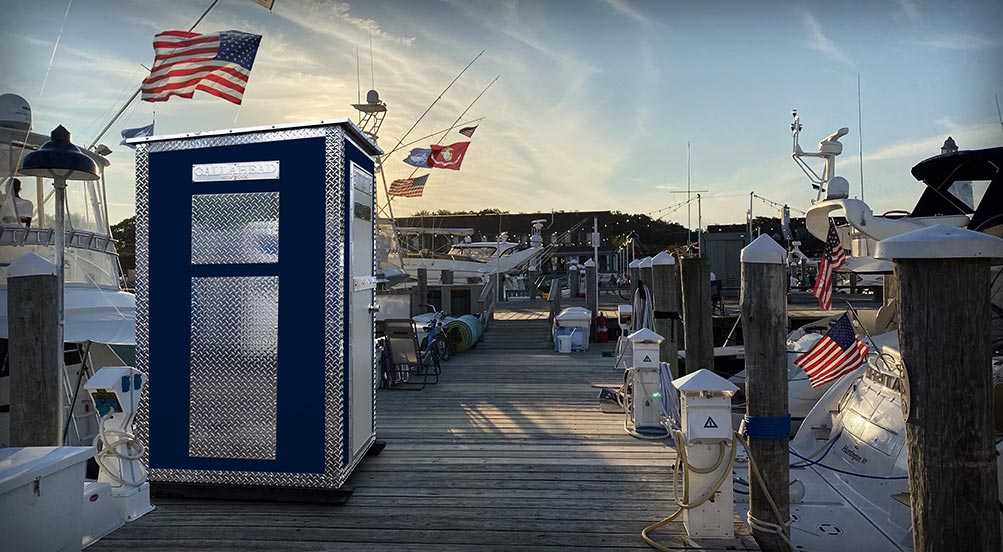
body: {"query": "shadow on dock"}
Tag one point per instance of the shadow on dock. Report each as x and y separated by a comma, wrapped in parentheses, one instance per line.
(508, 452)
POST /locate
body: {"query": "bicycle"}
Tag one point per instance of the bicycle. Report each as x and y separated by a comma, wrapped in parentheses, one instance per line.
(435, 346)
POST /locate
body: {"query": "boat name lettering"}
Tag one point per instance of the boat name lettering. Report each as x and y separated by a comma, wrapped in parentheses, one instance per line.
(853, 455)
(251, 170)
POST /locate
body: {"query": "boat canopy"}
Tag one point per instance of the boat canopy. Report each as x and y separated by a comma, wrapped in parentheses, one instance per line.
(940, 173)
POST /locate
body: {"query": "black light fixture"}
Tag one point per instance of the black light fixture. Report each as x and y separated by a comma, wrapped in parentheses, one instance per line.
(59, 159)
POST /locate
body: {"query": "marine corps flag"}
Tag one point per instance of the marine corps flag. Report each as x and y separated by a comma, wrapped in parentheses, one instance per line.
(448, 157)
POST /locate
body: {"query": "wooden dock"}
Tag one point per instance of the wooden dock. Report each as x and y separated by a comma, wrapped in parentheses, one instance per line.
(508, 452)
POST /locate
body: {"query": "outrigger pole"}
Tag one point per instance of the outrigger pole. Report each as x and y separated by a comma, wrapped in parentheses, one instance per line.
(140, 89)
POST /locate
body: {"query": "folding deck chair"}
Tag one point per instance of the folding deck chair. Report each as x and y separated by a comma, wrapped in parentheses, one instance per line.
(406, 355)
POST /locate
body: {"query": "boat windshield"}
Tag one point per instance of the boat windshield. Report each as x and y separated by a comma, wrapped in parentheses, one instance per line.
(90, 255)
(478, 253)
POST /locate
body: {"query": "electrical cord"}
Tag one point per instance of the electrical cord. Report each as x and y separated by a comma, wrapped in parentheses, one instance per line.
(107, 448)
(625, 404)
(682, 466)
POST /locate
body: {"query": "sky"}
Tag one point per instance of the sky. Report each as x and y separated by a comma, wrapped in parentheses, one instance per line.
(596, 100)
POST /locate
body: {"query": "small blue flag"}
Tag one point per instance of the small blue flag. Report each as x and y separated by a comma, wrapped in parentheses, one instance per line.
(418, 157)
(136, 133)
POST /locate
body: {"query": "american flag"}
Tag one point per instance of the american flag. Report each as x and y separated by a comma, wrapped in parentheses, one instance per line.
(408, 187)
(468, 131)
(833, 258)
(217, 63)
(838, 353)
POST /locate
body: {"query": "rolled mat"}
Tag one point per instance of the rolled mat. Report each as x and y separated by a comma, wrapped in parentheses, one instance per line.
(464, 332)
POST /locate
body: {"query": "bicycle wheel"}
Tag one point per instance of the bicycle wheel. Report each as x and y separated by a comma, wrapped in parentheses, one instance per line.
(624, 293)
(442, 348)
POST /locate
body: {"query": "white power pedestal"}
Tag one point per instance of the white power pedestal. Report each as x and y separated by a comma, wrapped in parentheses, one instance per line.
(646, 403)
(116, 392)
(705, 400)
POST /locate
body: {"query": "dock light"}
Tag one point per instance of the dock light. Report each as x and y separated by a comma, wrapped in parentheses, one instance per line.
(61, 161)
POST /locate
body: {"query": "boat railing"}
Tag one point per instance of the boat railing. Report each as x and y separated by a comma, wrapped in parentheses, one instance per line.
(81, 239)
(487, 301)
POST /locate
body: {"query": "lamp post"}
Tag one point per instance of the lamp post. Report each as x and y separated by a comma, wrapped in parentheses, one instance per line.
(61, 161)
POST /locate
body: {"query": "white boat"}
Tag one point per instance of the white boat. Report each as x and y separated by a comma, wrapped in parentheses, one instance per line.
(849, 466)
(470, 261)
(98, 312)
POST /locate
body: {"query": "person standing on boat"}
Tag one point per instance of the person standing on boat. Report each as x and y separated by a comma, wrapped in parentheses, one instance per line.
(22, 207)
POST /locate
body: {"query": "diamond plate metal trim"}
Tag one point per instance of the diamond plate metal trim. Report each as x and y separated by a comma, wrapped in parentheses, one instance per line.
(235, 228)
(234, 367)
(334, 474)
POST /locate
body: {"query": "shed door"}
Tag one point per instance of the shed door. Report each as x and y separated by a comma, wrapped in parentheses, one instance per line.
(362, 344)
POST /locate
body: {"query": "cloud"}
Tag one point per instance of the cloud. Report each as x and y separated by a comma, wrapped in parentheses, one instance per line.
(328, 17)
(625, 9)
(963, 41)
(909, 7)
(975, 136)
(822, 43)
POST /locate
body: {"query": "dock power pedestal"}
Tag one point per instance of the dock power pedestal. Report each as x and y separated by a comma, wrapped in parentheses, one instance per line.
(254, 309)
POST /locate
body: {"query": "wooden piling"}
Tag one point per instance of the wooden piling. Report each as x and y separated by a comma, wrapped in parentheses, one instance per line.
(574, 285)
(422, 287)
(697, 319)
(35, 353)
(592, 293)
(446, 277)
(644, 269)
(634, 269)
(764, 325)
(664, 278)
(944, 335)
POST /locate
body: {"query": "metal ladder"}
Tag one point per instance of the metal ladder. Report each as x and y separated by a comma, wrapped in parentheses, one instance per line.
(69, 390)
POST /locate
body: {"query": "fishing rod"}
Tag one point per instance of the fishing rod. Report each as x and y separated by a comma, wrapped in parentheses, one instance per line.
(454, 125)
(383, 176)
(423, 138)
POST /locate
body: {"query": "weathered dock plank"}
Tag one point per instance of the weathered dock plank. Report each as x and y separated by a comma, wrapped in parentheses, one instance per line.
(509, 452)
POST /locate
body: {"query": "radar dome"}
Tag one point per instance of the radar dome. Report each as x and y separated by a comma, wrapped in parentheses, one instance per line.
(15, 113)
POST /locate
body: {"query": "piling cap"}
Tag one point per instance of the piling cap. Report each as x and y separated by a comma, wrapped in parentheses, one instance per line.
(645, 262)
(644, 335)
(422, 266)
(590, 263)
(704, 380)
(763, 250)
(30, 264)
(662, 259)
(636, 263)
(940, 242)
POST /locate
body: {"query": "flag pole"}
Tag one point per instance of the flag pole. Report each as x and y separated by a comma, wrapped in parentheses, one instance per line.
(140, 89)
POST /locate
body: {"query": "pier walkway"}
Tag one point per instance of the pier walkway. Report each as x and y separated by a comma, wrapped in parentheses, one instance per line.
(508, 452)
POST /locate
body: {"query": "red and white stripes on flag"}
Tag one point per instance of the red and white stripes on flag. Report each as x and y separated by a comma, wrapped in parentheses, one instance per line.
(217, 63)
(833, 258)
(838, 353)
(408, 187)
